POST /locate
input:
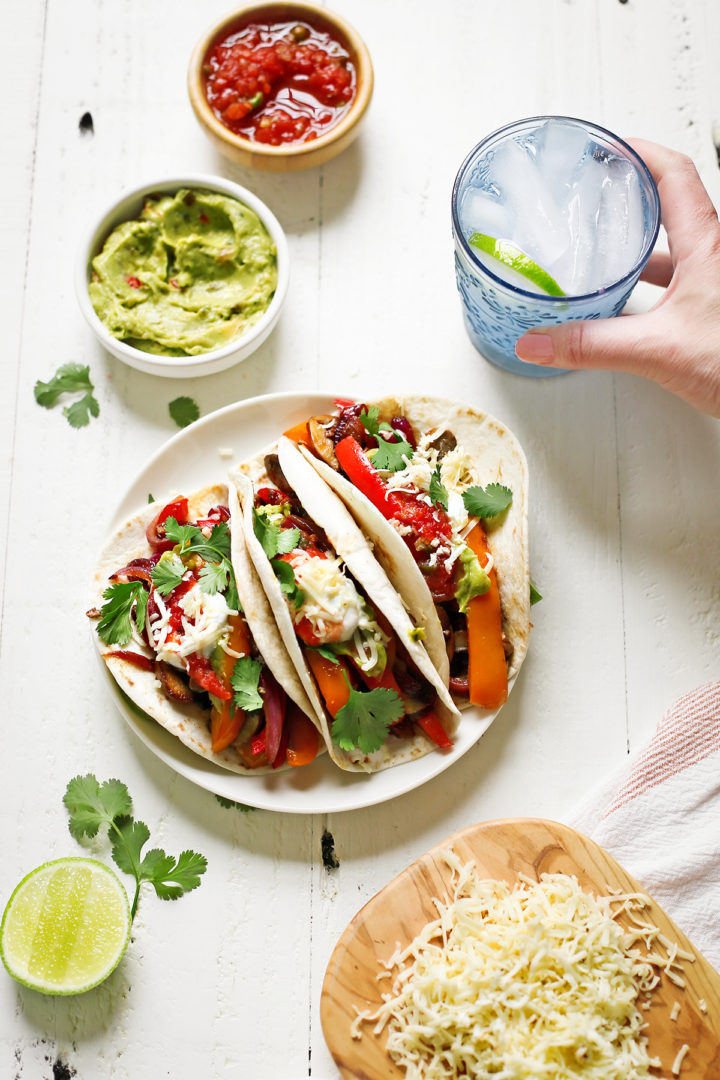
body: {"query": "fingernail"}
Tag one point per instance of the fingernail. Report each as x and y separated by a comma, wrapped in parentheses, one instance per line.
(535, 348)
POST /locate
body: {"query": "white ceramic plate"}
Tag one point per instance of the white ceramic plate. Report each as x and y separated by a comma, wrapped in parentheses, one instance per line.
(198, 456)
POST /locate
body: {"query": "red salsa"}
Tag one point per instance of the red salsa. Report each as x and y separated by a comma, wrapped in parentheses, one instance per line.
(279, 82)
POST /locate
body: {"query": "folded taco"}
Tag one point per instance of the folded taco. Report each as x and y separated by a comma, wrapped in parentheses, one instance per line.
(359, 654)
(184, 626)
(441, 491)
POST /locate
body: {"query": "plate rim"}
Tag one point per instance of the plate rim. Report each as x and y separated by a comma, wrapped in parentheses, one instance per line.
(350, 791)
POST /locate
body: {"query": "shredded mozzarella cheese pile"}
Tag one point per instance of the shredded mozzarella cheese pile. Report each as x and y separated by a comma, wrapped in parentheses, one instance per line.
(521, 983)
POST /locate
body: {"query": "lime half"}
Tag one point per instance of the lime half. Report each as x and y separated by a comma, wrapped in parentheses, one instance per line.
(511, 255)
(65, 927)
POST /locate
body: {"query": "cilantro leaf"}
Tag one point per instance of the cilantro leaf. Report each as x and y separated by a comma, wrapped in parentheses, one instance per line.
(244, 681)
(168, 574)
(231, 804)
(128, 843)
(91, 804)
(180, 534)
(214, 577)
(364, 721)
(389, 455)
(369, 419)
(184, 411)
(172, 877)
(68, 379)
(78, 414)
(327, 652)
(487, 502)
(288, 540)
(115, 627)
(286, 576)
(535, 594)
(438, 491)
(193, 541)
(151, 498)
(273, 539)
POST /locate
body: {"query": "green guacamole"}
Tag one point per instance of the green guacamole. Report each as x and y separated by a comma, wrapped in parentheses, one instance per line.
(193, 272)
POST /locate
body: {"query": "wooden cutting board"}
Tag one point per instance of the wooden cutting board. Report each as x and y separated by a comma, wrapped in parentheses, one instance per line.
(502, 850)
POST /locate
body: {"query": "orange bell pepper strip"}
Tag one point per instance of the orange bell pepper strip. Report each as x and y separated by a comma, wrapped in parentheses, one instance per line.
(303, 738)
(225, 723)
(331, 679)
(299, 434)
(487, 671)
(225, 726)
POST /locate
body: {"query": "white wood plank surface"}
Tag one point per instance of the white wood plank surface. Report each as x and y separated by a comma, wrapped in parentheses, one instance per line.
(624, 496)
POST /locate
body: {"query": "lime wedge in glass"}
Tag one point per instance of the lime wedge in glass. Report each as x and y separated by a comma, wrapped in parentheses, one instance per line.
(511, 255)
(65, 927)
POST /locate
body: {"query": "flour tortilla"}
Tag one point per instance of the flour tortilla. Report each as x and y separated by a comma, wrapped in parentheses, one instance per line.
(498, 458)
(189, 723)
(349, 542)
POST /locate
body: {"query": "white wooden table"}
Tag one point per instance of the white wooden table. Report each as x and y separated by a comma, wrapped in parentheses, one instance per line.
(624, 496)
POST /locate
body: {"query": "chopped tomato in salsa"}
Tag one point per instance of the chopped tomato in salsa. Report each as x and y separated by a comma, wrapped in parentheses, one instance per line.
(280, 82)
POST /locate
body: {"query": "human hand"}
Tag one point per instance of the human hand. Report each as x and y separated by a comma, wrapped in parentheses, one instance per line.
(677, 342)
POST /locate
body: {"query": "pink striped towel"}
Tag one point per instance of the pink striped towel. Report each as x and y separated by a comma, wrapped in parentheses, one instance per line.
(660, 816)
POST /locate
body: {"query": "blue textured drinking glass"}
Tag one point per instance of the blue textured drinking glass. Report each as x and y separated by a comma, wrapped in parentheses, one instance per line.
(496, 313)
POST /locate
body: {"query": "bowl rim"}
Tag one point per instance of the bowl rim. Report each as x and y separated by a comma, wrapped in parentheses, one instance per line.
(358, 106)
(99, 231)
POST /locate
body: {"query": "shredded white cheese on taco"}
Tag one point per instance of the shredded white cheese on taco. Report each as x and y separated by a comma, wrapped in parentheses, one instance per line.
(330, 602)
(204, 621)
(523, 983)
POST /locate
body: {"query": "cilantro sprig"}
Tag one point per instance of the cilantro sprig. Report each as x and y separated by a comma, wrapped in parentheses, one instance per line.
(275, 541)
(115, 626)
(93, 806)
(70, 379)
(487, 502)
(365, 719)
(217, 575)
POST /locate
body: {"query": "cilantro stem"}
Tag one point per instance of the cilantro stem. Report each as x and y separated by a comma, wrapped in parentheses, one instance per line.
(136, 870)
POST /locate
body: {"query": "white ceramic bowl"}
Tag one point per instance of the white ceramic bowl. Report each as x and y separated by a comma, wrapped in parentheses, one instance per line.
(128, 207)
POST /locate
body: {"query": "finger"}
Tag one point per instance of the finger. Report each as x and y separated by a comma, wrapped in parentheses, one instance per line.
(686, 208)
(659, 269)
(612, 344)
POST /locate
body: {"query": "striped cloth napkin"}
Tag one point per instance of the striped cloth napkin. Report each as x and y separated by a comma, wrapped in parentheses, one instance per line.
(659, 816)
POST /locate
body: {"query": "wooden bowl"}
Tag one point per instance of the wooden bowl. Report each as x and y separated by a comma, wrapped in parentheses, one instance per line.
(504, 850)
(291, 157)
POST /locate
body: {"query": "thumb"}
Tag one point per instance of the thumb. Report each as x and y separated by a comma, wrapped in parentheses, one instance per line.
(622, 344)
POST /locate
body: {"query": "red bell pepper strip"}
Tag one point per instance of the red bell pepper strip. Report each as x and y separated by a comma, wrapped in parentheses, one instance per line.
(201, 672)
(361, 472)
(257, 746)
(155, 531)
(430, 724)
